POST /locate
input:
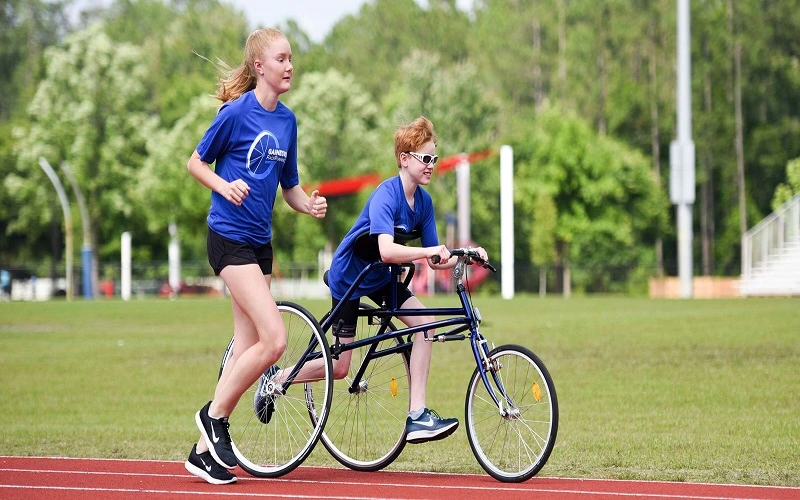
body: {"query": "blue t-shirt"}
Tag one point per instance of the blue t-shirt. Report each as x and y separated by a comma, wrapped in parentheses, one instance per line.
(386, 211)
(260, 147)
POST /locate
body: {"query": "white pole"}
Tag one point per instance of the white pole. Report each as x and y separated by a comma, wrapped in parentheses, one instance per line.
(463, 200)
(125, 284)
(174, 254)
(682, 157)
(507, 221)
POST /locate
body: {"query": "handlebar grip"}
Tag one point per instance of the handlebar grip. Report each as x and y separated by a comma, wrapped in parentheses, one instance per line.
(435, 259)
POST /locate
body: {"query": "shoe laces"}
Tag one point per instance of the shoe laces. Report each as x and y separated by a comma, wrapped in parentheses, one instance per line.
(434, 415)
(226, 435)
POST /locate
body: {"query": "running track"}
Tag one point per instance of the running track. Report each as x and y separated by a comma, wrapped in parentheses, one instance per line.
(26, 478)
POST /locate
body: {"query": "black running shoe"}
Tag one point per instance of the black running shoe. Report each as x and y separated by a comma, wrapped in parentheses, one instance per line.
(264, 399)
(218, 439)
(429, 427)
(204, 466)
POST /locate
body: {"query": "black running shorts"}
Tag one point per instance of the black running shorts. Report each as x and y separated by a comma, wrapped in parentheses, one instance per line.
(224, 252)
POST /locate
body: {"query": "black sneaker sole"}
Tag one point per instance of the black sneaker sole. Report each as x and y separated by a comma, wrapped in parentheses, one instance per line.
(445, 433)
(197, 471)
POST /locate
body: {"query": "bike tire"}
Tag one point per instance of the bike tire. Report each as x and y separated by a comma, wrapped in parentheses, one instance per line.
(366, 429)
(276, 448)
(512, 445)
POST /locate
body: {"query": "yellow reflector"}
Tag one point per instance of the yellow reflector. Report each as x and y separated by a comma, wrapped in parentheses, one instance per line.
(537, 393)
(393, 387)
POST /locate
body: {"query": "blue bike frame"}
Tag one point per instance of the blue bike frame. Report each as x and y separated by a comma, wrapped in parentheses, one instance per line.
(460, 319)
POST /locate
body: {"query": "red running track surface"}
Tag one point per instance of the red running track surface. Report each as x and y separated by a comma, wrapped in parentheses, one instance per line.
(23, 478)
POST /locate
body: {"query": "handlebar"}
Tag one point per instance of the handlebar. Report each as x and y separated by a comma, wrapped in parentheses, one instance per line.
(469, 255)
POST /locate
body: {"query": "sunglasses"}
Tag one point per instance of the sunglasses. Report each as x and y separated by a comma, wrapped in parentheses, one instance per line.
(424, 158)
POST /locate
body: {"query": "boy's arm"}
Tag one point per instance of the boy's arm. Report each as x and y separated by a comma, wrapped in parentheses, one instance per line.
(397, 254)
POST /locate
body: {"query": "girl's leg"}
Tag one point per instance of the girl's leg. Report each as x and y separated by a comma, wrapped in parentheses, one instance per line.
(245, 336)
(256, 317)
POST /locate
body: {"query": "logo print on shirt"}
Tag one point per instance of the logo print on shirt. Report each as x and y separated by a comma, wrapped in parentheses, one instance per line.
(264, 154)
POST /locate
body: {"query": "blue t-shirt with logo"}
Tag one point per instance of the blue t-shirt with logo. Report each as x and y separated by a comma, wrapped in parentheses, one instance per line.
(386, 212)
(260, 147)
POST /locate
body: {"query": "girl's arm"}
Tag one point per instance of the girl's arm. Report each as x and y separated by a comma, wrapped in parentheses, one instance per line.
(315, 205)
(235, 192)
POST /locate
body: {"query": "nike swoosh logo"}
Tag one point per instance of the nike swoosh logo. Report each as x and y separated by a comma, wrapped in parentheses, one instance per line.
(214, 435)
(429, 423)
(208, 467)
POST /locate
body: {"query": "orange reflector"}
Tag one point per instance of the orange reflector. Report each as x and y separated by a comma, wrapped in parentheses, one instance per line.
(537, 393)
(393, 387)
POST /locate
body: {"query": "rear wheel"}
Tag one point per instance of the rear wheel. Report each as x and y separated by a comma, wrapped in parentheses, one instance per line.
(513, 442)
(277, 447)
(366, 426)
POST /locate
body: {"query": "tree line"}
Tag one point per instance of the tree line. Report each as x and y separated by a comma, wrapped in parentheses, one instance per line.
(584, 92)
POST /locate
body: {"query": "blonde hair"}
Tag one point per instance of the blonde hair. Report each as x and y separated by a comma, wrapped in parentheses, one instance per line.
(235, 82)
(412, 136)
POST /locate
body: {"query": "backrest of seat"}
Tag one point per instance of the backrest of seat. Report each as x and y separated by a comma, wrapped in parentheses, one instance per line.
(366, 245)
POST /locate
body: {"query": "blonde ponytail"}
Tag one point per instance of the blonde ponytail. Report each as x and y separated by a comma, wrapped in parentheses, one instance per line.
(235, 82)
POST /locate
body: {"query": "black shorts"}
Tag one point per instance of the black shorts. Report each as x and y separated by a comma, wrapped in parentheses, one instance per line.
(349, 312)
(224, 252)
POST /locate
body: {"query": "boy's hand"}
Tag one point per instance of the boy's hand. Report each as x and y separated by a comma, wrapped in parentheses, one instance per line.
(439, 254)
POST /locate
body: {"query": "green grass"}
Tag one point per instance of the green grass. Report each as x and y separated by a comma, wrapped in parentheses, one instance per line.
(701, 390)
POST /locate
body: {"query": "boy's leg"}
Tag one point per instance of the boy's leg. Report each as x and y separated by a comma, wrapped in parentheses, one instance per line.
(422, 424)
(420, 355)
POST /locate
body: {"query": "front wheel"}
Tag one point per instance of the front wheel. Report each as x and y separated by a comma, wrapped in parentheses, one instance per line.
(276, 447)
(512, 442)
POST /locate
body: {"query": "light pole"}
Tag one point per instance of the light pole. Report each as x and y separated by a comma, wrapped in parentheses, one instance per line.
(681, 155)
(62, 197)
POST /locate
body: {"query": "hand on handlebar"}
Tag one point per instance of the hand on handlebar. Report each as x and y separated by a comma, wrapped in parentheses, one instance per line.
(482, 254)
(442, 254)
(477, 253)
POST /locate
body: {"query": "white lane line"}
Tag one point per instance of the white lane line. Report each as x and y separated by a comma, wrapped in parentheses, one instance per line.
(193, 493)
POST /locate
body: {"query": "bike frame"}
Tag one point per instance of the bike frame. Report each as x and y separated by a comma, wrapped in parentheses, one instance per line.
(460, 319)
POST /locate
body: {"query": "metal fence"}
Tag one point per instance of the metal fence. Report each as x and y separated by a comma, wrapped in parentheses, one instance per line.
(770, 236)
(304, 280)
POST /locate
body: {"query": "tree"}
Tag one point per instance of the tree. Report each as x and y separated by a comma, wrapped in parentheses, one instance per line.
(784, 192)
(464, 115)
(164, 189)
(371, 44)
(26, 29)
(340, 134)
(184, 41)
(87, 111)
(609, 206)
(543, 236)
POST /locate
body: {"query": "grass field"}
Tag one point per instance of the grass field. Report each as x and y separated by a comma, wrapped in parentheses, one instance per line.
(701, 390)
